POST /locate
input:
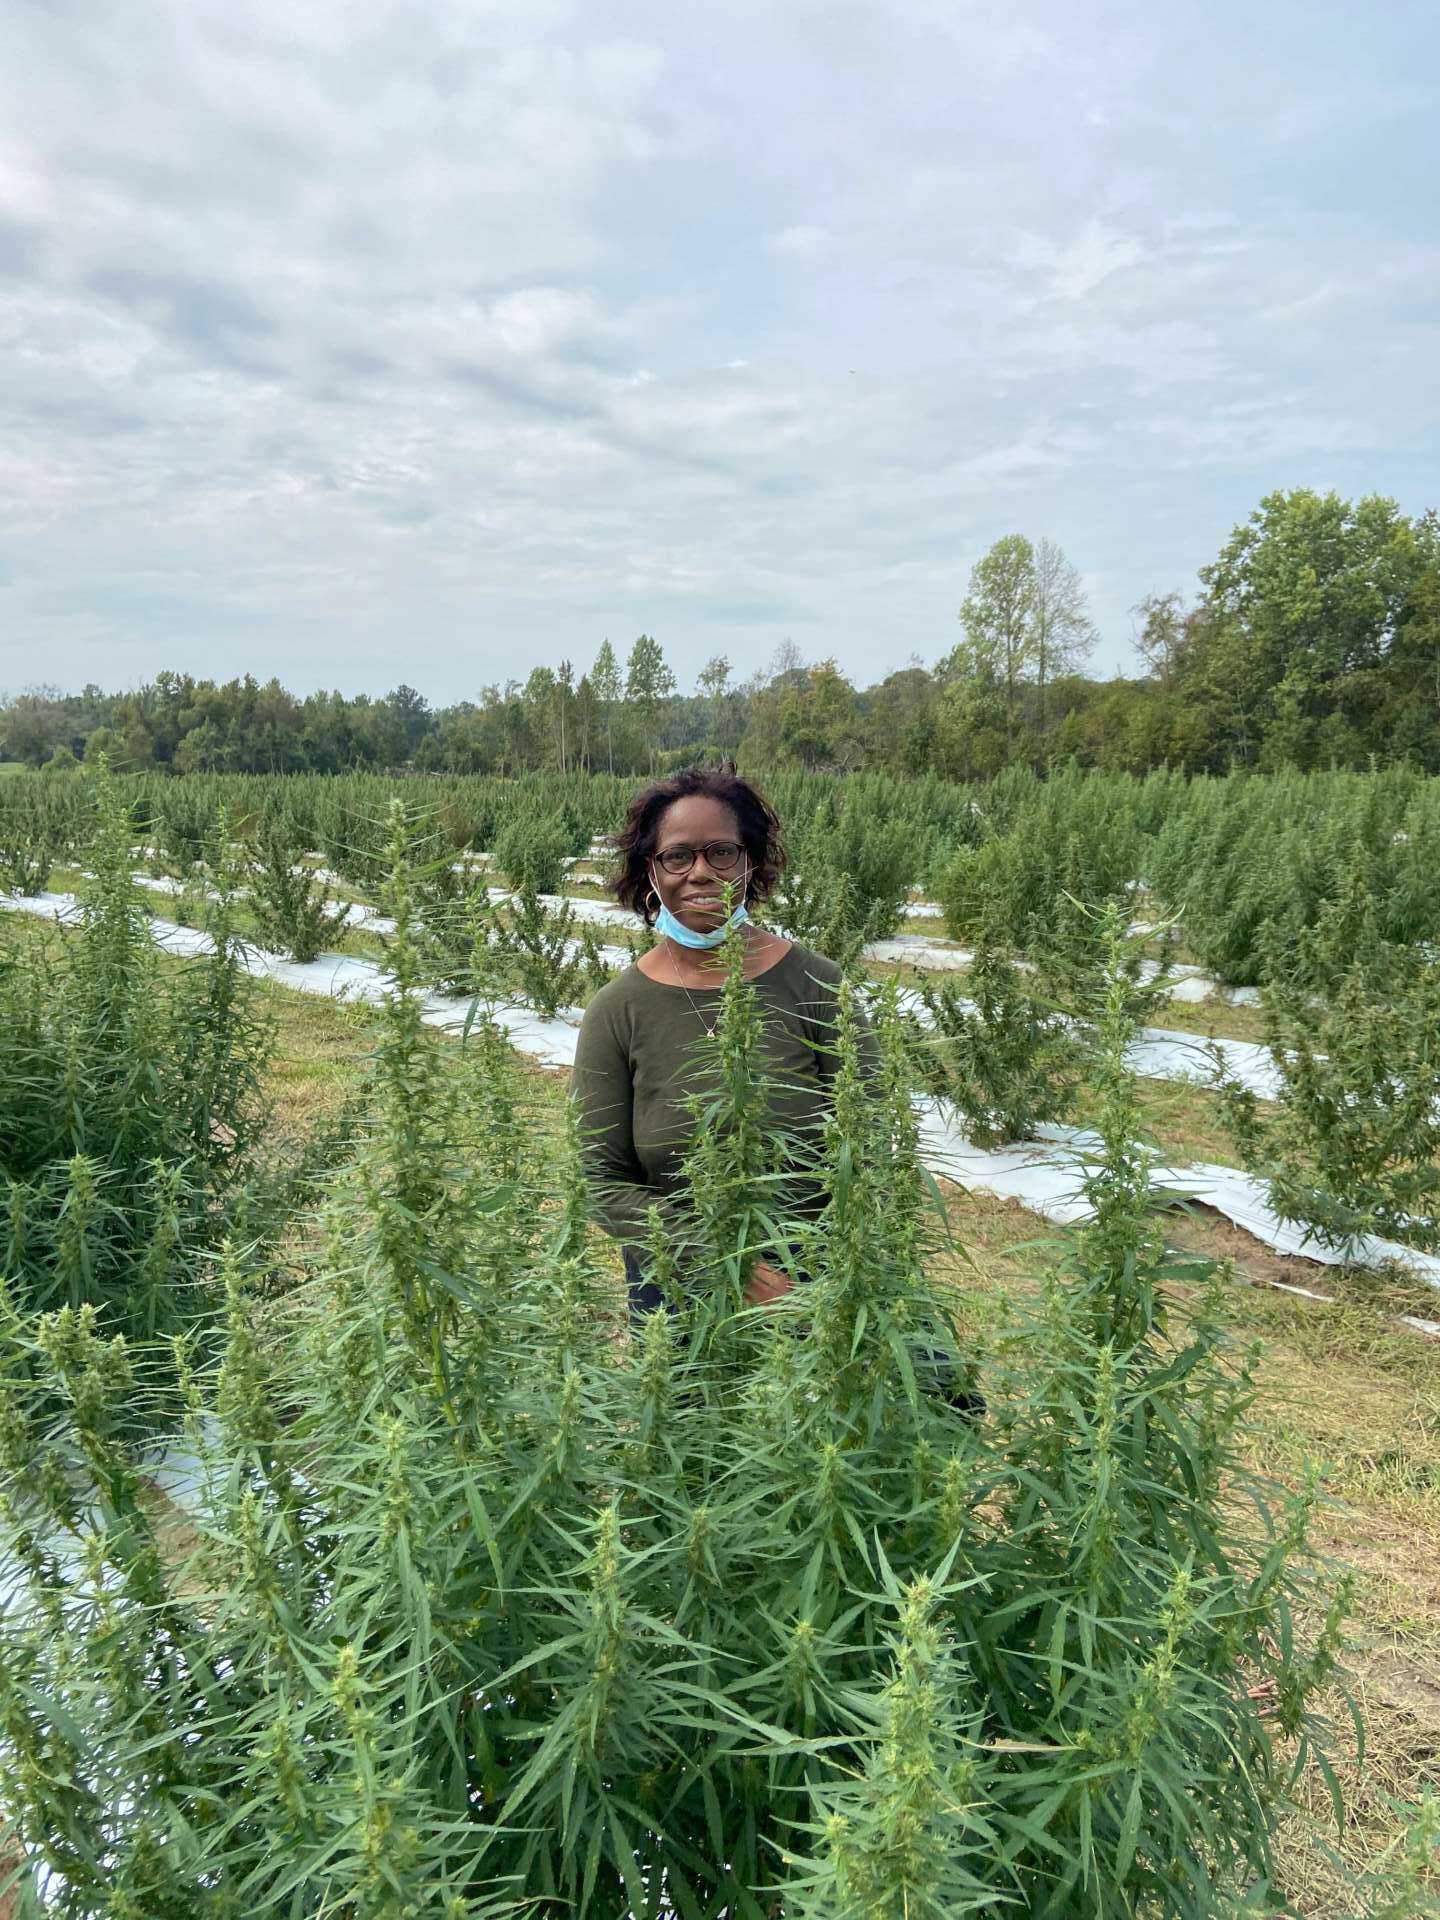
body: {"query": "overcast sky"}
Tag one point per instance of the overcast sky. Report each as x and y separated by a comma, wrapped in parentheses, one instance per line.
(372, 342)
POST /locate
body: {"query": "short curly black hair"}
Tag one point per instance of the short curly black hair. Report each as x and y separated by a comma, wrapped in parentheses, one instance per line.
(634, 844)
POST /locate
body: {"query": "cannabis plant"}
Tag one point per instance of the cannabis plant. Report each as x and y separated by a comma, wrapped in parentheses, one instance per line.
(998, 1050)
(548, 963)
(1252, 861)
(1140, 1604)
(25, 865)
(129, 1105)
(1037, 880)
(460, 942)
(184, 823)
(1079, 968)
(846, 881)
(1351, 1145)
(290, 901)
(29, 837)
(531, 851)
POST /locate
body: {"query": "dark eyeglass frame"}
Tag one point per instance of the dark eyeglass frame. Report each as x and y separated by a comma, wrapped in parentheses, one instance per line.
(687, 857)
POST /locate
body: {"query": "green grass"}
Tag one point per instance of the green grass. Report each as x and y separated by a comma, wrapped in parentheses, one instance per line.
(1183, 1120)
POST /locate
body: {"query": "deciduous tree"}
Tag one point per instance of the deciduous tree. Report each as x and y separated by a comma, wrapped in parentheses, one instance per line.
(1063, 633)
(999, 615)
(713, 679)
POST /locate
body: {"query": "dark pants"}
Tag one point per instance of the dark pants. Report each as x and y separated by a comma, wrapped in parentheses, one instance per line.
(936, 1370)
(645, 1296)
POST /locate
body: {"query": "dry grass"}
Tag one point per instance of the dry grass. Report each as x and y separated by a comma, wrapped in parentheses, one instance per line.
(1212, 1019)
(319, 1060)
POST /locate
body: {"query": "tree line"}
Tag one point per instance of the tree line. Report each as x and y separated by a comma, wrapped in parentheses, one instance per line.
(1314, 641)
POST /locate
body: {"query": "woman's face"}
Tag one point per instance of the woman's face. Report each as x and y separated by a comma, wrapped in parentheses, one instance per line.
(696, 898)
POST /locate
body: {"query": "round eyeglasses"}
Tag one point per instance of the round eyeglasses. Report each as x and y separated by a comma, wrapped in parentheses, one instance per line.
(721, 856)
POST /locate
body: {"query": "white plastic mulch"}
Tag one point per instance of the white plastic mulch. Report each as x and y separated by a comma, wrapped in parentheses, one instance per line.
(930, 955)
(338, 976)
(344, 914)
(1045, 1174)
(598, 913)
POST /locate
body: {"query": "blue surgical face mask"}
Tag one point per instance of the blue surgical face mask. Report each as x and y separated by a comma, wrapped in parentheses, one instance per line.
(666, 923)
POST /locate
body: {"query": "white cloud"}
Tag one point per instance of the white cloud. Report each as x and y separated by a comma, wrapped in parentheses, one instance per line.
(1092, 256)
(802, 243)
(426, 343)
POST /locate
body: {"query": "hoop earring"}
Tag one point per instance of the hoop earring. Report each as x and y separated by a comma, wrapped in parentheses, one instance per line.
(653, 895)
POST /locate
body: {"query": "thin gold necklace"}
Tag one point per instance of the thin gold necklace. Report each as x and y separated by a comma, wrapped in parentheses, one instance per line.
(670, 955)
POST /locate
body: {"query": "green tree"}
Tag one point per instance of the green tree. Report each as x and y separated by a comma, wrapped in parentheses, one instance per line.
(999, 616)
(412, 710)
(609, 690)
(1162, 632)
(1063, 633)
(517, 733)
(587, 716)
(713, 680)
(562, 701)
(648, 681)
(34, 725)
(202, 750)
(1306, 602)
(1410, 717)
(539, 704)
(900, 715)
(971, 730)
(820, 720)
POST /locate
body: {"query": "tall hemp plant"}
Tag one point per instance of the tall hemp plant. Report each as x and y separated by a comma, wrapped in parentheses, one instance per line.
(130, 1104)
(998, 1049)
(846, 881)
(479, 1610)
(549, 964)
(30, 837)
(1351, 1144)
(290, 899)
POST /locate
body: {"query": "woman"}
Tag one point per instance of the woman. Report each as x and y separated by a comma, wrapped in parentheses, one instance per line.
(686, 840)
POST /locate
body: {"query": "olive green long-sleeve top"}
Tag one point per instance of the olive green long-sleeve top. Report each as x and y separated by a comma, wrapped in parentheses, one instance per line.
(641, 1052)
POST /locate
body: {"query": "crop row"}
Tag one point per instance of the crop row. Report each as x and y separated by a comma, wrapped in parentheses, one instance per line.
(1240, 864)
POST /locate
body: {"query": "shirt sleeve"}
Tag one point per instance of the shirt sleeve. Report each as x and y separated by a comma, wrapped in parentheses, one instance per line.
(603, 1089)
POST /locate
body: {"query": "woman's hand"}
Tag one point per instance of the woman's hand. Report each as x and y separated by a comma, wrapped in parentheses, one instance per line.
(767, 1285)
